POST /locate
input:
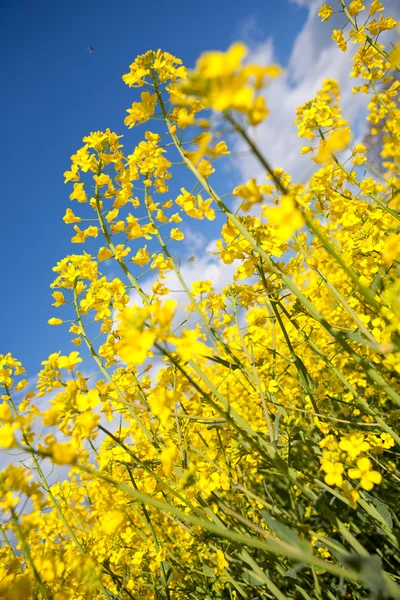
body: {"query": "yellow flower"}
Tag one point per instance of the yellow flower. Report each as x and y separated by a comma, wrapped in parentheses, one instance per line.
(188, 345)
(63, 454)
(201, 287)
(113, 214)
(350, 493)
(258, 111)
(85, 424)
(168, 454)
(137, 334)
(217, 64)
(112, 521)
(176, 234)
(250, 192)
(338, 140)
(89, 400)
(205, 168)
(334, 472)
(136, 340)
(220, 149)
(141, 111)
(221, 82)
(394, 57)
(204, 209)
(79, 193)
(391, 249)
(55, 321)
(9, 500)
(104, 254)
(69, 362)
(5, 413)
(221, 561)
(359, 149)
(354, 444)
(368, 478)
(7, 437)
(183, 118)
(162, 403)
(306, 149)
(375, 7)
(339, 38)
(21, 385)
(273, 386)
(388, 441)
(69, 217)
(142, 257)
(121, 251)
(325, 12)
(286, 217)
(59, 298)
(355, 7)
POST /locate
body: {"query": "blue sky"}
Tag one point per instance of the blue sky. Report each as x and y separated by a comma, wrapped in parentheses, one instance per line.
(55, 92)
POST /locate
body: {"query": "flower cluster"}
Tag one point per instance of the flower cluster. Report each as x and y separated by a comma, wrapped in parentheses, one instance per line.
(244, 442)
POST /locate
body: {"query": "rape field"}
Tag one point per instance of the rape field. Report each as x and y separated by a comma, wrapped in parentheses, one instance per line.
(245, 446)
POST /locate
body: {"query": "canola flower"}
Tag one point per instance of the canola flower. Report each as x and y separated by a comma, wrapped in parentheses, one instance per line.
(251, 448)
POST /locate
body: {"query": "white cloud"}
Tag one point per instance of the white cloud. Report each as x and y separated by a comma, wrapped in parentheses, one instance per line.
(314, 57)
(194, 240)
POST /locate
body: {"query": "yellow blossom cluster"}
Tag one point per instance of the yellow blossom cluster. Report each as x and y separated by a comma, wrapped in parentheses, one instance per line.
(242, 442)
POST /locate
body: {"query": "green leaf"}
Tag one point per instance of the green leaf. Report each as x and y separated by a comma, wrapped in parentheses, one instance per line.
(252, 579)
(282, 410)
(276, 427)
(291, 573)
(384, 512)
(220, 423)
(333, 544)
(371, 573)
(222, 362)
(208, 572)
(303, 592)
(285, 533)
(306, 381)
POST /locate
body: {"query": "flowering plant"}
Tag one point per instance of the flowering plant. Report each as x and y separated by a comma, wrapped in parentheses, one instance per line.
(242, 444)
